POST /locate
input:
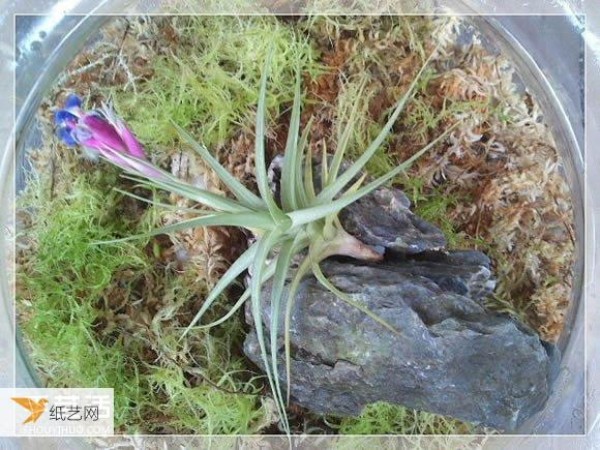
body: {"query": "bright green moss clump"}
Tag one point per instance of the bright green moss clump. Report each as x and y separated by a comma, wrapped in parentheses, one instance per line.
(383, 418)
(84, 315)
(62, 283)
(207, 84)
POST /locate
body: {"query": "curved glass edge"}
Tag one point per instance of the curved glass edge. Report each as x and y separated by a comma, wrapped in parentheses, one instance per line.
(592, 206)
(592, 199)
(568, 390)
(66, 39)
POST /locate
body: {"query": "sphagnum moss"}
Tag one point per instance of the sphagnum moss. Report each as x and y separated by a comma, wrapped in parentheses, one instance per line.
(500, 177)
(61, 281)
(384, 418)
(207, 85)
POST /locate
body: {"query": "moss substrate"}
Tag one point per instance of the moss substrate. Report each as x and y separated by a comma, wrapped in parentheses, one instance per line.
(110, 315)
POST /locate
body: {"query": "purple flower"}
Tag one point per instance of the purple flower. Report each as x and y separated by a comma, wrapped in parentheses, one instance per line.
(102, 132)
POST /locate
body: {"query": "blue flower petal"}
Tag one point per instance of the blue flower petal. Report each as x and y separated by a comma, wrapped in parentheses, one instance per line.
(72, 101)
(62, 116)
(66, 136)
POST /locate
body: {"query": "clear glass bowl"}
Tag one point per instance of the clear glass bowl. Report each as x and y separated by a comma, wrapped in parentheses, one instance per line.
(46, 46)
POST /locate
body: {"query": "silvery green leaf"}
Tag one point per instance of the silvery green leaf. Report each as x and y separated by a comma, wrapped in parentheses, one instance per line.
(313, 213)
(244, 195)
(206, 198)
(344, 139)
(245, 220)
(329, 192)
(320, 276)
(262, 178)
(265, 245)
(240, 264)
(288, 186)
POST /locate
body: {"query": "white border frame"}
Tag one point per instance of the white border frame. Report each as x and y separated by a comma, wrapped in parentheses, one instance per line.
(592, 181)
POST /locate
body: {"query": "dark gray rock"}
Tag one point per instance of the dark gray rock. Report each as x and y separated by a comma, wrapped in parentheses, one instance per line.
(450, 355)
(383, 218)
(464, 272)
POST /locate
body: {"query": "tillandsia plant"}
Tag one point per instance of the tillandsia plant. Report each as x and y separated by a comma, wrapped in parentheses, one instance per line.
(303, 223)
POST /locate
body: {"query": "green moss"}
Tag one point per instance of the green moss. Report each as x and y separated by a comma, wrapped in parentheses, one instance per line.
(435, 208)
(434, 205)
(210, 85)
(422, 119)
(75, 339)
(205, 409)
(63, 281)
(384, 418)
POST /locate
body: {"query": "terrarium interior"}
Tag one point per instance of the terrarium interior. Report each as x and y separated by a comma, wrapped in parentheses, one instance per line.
(476, 237)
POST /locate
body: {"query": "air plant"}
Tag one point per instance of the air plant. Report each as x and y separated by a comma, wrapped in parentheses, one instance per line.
(303, 223)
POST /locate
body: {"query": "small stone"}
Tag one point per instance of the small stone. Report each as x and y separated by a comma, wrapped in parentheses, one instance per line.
(383, 218)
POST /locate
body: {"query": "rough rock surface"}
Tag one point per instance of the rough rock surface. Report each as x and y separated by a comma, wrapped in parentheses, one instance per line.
(450, 355)
(463, 272)
(376, 218)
